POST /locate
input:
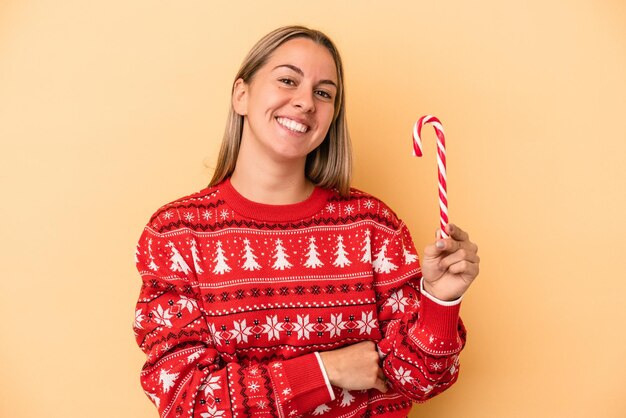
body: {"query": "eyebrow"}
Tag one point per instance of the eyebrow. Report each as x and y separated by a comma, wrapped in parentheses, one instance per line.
(299, 71)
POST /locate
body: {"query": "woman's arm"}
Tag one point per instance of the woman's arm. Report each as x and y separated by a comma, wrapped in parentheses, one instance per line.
(423, 335)
(184, 374)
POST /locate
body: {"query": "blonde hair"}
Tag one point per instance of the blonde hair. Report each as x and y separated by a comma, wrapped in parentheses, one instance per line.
(330, 164)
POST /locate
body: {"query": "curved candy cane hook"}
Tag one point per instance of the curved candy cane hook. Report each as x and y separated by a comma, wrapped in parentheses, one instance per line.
(441, 164)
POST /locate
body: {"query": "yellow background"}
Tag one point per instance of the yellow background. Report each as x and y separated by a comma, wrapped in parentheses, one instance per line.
(109, 109)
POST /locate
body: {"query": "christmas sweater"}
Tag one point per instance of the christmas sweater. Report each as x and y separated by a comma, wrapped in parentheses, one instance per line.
(238, 298)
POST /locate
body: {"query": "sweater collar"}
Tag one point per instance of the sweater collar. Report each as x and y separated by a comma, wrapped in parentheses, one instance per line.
(279, 213)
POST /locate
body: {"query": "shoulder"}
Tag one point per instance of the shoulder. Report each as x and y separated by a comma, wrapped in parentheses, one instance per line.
(363, 205)
(186, 210)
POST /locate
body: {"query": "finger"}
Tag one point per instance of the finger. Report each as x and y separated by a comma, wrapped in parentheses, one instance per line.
(431, 250)
(381, 385)
(457, 233)
(458, 256)
(449, 245)
(381, 374)
(465, 268)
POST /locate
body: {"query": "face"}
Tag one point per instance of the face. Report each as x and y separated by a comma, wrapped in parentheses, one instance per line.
(288, 105)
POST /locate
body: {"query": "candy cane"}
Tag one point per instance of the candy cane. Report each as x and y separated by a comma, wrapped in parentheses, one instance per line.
(441, 163)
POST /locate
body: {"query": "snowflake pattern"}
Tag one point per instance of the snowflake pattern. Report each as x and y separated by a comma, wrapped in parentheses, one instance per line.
(139, 318)
(189, 304)
(336, 325)
(367, 323)
(427, 388)
(241, 331)
(210, 386)
(166, 347)
(272, 327)
(213, 412)
(302, 327)
(162, 316)
(397, 301)
(403, 376)
(254, 386)
(328, 252)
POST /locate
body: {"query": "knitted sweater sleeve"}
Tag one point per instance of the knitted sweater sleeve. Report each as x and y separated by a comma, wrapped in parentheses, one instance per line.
(421, 337)
(184, 375)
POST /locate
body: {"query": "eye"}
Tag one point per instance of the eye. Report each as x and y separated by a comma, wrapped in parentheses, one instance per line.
(287, 81)
(324, 94)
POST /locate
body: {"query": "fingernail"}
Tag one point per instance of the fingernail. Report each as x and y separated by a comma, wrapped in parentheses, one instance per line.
(440, 244)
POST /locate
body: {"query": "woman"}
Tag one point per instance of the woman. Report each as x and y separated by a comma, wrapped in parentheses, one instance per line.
(280, 291)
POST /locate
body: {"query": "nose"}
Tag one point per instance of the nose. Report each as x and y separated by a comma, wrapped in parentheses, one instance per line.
(304, 100)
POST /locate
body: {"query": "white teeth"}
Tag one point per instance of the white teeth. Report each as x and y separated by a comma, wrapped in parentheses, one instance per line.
(292, 125)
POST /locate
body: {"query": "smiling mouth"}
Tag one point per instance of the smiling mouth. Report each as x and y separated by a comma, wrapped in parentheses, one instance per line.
(292, 125)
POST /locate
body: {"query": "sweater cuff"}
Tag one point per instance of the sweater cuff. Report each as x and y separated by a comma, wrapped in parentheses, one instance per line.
(436, 330)
(301, 384)
(439, 301)
(323, 369)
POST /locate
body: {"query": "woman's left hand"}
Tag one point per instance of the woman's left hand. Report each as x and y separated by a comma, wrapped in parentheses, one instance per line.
(450, 265)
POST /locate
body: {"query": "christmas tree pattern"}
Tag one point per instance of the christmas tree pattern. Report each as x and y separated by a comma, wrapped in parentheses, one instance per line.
(154, 398)
(250, 263)
(367, 248)
(321, 410)
(177, 260)
(152, 266)
(239, 306)
(167, 380)
(408, 257)
(382, 263)
(313, 260)
(196, 259)
(346, 397)
(281, 262)
(341, 260)
(220, 260)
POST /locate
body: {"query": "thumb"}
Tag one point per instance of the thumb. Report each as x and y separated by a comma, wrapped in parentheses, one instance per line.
(435, 249)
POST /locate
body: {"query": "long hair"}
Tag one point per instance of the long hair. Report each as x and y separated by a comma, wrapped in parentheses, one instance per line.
(330, 164)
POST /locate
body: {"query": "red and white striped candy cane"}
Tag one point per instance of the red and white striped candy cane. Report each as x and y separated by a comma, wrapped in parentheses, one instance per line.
(441, 163)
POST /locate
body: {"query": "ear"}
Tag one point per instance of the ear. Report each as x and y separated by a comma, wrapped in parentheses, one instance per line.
(240, 97)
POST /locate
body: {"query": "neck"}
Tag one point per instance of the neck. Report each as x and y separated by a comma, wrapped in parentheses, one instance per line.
(272, 184)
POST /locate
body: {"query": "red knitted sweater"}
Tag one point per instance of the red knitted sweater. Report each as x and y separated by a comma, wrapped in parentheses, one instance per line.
(238, 297)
